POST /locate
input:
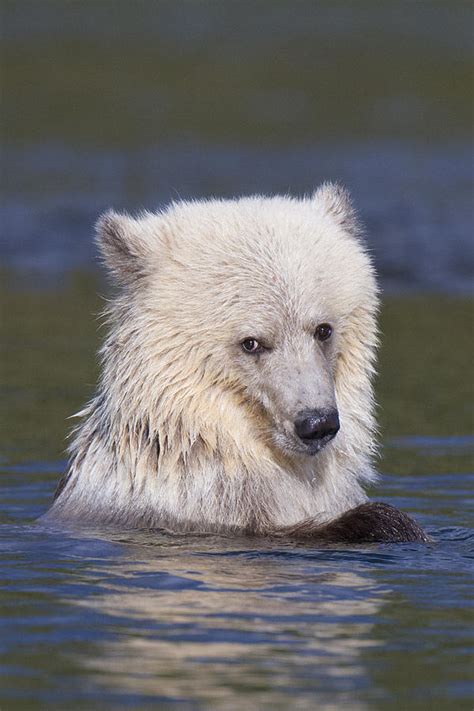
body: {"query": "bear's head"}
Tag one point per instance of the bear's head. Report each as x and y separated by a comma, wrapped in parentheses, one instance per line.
(244, 328)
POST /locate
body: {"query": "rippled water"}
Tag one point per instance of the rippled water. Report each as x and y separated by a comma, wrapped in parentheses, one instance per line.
(152, 101)
(110, 619)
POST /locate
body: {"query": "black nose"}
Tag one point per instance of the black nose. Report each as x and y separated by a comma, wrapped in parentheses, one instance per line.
(317, 424)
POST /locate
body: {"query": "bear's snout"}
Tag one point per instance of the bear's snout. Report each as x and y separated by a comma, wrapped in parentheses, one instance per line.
(317, 427)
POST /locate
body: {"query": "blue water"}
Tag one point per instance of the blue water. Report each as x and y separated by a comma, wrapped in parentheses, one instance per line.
(113, 619)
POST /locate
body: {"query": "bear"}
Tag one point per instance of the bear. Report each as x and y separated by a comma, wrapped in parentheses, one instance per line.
(236, 392)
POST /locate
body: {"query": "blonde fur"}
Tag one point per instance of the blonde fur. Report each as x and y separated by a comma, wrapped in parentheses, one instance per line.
(187, 431)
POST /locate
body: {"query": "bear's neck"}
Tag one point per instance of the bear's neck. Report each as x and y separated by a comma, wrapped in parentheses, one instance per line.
(208, 473)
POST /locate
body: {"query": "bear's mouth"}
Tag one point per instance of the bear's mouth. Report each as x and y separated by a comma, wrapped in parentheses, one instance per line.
(313, 446)
(299, 446)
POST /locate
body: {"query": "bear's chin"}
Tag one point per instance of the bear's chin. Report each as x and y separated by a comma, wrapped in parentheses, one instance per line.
(298, 448)
(313, 447)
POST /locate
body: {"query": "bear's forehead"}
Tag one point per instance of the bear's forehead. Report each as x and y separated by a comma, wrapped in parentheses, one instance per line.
(279, 247)
(279, 235)
(270, 260)
(260, 218)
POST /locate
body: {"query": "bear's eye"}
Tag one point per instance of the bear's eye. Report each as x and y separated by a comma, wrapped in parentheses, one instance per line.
(323, 331)
(251, 345)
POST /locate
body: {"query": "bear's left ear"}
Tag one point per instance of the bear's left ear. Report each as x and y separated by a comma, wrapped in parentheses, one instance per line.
(125, 245)
(337, 201)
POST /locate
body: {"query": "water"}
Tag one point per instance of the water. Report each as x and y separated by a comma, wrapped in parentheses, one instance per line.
(159, 100)
(107, 619)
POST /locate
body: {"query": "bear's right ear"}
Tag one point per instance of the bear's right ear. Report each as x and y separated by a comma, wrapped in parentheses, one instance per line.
(123, 246)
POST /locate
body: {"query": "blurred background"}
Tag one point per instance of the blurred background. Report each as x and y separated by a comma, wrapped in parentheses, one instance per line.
(113, 103)
(133, 104)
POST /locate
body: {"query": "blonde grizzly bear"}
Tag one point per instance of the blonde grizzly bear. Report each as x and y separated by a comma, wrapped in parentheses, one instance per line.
(236, 392)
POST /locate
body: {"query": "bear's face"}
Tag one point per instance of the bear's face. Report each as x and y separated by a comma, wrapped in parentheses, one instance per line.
(288, 371)
(265, 304)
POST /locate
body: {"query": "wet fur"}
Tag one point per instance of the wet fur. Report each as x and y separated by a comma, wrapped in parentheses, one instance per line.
(373, 522)
(181, 435)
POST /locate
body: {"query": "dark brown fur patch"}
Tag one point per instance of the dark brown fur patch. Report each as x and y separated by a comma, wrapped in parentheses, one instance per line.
(368, 523)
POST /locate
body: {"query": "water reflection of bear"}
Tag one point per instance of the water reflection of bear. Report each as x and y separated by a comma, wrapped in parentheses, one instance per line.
(202, 620)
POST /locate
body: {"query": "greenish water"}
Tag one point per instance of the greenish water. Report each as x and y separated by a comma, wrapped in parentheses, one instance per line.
(132, 104)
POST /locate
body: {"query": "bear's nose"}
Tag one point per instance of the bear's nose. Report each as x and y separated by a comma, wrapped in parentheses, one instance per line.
(317, 424)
